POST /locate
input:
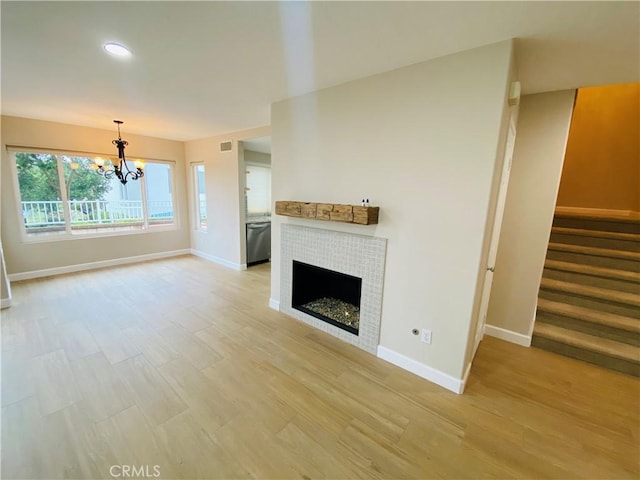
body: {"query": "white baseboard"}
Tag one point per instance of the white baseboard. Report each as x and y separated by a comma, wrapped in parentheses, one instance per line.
(445, 380)
(5, 303)
(508, 335)
(275, 304)
(14, 277)
(219, 261)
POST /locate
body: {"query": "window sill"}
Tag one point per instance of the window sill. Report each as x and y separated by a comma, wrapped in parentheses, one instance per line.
(34, 238)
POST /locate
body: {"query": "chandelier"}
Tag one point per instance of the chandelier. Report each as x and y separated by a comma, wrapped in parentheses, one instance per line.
(120, 167)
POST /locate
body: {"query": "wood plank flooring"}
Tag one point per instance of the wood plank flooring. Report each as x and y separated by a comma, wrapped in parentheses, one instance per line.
(180, 364)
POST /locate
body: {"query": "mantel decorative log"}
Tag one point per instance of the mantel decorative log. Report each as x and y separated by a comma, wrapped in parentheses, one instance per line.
(329, 212)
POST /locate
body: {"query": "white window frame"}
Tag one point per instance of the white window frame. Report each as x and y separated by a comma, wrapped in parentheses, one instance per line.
(195, 197)
(172, 178)
(68, 234)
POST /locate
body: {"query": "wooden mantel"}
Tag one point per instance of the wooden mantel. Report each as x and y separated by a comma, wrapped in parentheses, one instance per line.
(329, 212)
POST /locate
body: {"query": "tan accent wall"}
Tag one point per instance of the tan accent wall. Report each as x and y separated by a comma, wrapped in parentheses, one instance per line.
(602, 163)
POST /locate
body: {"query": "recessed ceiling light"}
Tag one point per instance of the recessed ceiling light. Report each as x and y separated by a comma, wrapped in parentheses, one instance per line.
(117, 49)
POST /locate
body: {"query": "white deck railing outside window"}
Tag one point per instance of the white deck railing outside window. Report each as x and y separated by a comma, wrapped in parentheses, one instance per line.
(44, 214)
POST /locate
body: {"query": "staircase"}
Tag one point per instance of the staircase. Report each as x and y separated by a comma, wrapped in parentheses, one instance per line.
(589, 299)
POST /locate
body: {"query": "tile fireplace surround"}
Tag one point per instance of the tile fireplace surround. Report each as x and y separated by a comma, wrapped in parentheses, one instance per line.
(358, 255)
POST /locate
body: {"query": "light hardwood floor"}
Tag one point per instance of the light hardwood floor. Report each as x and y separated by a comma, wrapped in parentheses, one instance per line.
(180, 364)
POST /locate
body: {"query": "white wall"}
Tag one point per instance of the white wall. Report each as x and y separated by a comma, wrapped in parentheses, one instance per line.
(29, 257)
(5, 285)
(224, 239)
(421, 142)
(543, 129)
(509, 115)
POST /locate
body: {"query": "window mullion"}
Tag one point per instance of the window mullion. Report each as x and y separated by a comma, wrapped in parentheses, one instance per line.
(63, 195)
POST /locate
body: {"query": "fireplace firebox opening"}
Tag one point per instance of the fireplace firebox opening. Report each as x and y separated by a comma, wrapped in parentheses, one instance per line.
(333, 297)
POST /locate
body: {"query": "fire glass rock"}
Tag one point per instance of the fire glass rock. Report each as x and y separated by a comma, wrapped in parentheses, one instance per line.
(337, 310)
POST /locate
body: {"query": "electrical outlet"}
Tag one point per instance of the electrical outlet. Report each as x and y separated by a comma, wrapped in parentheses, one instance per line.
(426, 336)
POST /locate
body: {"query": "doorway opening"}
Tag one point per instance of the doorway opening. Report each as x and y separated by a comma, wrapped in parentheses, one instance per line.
(257, 199)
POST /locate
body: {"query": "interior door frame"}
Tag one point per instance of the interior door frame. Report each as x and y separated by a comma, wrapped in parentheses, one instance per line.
(495, 232)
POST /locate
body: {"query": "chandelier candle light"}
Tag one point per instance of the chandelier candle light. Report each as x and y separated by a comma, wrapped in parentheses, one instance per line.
(120, 167)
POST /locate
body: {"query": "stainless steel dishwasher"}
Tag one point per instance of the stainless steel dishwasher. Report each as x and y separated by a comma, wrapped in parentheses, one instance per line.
(258, 242)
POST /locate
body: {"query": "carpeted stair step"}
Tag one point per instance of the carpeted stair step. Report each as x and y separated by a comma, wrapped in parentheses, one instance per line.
(589, 298)
(603, 324)
(598, 257)
(622, 280)
(596, 238)
(595, 292)
(616, 321)
(598, 252)
(600, 351)
(603, 223)
(626, 275)
(595, 298)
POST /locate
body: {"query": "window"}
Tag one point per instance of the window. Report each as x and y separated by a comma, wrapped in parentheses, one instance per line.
(158, 179)
(258, 190)
(63, 195)
(200, 197)
(40, 193)
(102, 204)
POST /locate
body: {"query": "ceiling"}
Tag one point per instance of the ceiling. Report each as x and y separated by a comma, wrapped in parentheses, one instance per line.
(259, 144)
(201, 69)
